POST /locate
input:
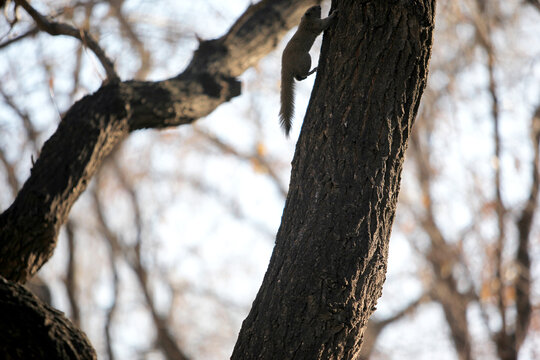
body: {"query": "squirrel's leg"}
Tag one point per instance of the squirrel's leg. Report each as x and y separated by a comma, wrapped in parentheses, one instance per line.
(300, 78)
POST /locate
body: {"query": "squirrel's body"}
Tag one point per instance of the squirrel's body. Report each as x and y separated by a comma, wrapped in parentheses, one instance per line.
(296, 61)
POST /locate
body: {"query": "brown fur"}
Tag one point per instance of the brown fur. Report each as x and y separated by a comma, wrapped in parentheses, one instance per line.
(296, 62)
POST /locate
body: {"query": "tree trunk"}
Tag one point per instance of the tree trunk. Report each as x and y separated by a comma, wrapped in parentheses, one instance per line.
(329, 262)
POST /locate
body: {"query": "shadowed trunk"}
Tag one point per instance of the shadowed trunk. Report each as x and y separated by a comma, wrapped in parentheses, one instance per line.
(329, 263)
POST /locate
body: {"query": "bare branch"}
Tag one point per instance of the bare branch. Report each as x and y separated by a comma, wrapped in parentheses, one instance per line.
(10, 172)
(166, 342)
(534, 3)
(443, 257)
(144, 54)
(164, 337)
(227, 149)
(113, 248)
(33, 31)
(57, 28)
(114, 303)
(97, 123)
(231, 205)
(31, 131)
(376, 326)
(88, 7)
(523, 261)
(483, 30)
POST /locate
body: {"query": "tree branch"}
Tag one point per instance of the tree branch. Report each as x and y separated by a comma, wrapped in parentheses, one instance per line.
(113, 249)
(262, 161)
(144, 55)
(31, 131)
(523, 261)
(51, 336)
(483, 32)
(10, 173)
(534, 3)
(98, 122)
(30, 32)
(56, 28)
(376, 326)
(164, 337)
(442, 257)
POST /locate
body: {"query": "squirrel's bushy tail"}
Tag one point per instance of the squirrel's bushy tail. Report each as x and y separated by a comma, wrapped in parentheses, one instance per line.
(287, 102)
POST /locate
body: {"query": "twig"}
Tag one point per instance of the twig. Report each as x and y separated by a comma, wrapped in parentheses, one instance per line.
(535, 3)
(114, 248)
(164, 337)
(443, 257)
(227, 149)
(57, 28)
(30, 32)
(483, 31)
(144, 54)
(10, 171)
(31, 131)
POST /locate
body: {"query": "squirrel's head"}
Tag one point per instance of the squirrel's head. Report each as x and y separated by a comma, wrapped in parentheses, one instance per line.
(313, 12)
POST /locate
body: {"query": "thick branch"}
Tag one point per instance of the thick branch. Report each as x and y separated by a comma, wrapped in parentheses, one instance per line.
(98, 122)
(50, 336)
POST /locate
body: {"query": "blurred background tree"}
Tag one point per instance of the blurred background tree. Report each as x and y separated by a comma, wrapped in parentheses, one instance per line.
(166, 249)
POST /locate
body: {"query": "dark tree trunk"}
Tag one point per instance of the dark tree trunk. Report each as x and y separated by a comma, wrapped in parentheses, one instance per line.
(329, 261)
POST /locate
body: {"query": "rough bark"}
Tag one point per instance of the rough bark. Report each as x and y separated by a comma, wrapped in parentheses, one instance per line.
(329, 261)
(32, 330)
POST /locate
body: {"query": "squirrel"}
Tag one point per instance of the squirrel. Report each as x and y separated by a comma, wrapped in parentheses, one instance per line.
(295, 61)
